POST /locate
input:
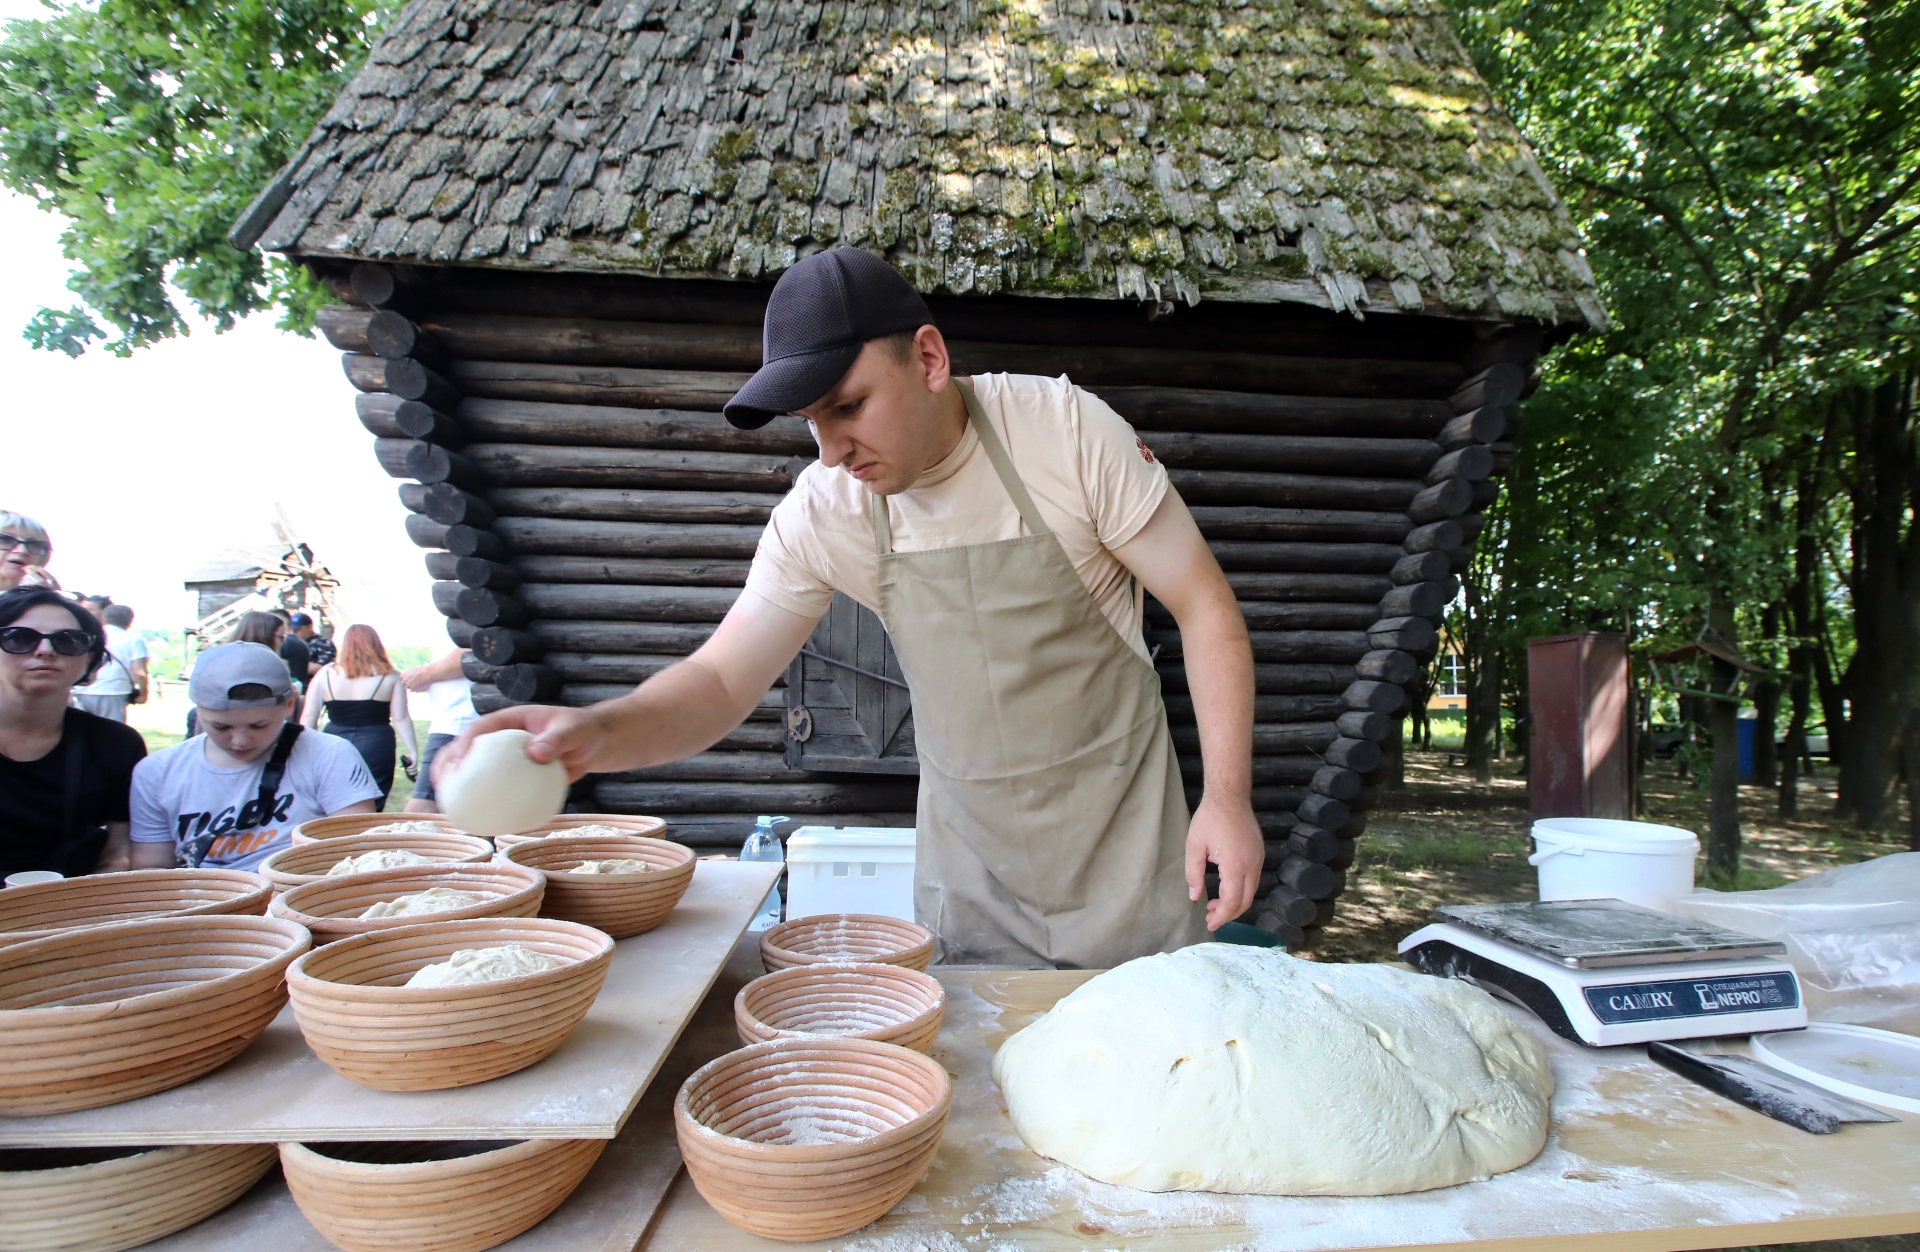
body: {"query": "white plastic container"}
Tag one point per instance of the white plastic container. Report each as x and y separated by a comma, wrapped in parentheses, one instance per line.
(32, 877)
(850, 869)
(1593, 858)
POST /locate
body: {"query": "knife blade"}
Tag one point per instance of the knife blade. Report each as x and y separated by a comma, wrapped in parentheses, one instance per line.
(1766, 1090)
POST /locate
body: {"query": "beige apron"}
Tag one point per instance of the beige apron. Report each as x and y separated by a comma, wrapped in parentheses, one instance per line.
(1052, 820)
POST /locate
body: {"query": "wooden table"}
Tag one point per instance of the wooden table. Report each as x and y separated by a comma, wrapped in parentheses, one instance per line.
(1639, 1161)
(278, 1091)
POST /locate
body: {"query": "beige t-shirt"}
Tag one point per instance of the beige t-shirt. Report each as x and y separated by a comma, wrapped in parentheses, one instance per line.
(1092, 479)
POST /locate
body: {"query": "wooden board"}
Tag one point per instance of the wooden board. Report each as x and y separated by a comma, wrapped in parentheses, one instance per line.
(1639, 1161)
(279, 1091)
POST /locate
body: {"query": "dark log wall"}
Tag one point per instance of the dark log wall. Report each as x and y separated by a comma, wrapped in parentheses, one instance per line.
(589, 514)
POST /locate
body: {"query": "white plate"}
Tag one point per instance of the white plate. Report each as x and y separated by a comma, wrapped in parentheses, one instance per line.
(1878, 1066)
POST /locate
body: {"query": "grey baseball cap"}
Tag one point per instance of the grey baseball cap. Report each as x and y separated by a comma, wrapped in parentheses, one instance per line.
(217, 671)
(820, 314)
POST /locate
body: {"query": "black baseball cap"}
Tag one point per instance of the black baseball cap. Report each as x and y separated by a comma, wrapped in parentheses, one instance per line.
(822, 311)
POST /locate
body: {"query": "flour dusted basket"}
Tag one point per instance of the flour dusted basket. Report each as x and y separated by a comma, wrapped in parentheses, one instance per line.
(644, 827)
(331, 907)
(359, 823)
(108, 1013)
(106, 1199)
(359, 1018)
(620, 904)
(846, 939)
(433, 1197)
(50, 907)
(810, 1140)
(884, 1003)
(310, 862)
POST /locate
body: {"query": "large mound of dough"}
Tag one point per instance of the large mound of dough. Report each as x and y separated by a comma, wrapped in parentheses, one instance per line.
(497, 789)
(476, 965)
(378, 859)
(1222, 1068)
(618, 866)
(432, 900)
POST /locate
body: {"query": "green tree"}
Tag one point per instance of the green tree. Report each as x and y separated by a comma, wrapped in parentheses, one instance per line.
(149, 125)
(1749, 178)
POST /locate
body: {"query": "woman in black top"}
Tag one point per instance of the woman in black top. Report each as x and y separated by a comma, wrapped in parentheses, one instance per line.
(64, 774)
(365, 702)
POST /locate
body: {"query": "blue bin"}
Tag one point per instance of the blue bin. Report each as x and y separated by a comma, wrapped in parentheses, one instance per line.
(1747, 725)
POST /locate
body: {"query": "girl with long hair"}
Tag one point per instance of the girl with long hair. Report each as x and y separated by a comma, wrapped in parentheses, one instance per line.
(364, 700)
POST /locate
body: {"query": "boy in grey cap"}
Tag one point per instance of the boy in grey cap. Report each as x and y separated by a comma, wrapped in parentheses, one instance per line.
(230, 796)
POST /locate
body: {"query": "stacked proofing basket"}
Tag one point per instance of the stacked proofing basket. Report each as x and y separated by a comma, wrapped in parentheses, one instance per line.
(825, 1120)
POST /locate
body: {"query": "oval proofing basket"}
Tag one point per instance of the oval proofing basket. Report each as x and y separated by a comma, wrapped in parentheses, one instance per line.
(360, 1019)
(359, 823)
(627, 823)
(310, 862)
(433, 1197)
(331, 907)
(106, 1199)
(800, 1141)
(620, 904)
(884, 1003)
(846, 939)
(109, 1013)
(50, 907)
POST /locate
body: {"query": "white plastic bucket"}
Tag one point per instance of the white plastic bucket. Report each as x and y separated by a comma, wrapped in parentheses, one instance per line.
(1594, 858)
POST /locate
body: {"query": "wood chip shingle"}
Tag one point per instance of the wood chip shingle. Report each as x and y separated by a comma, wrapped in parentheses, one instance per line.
(1342, 153)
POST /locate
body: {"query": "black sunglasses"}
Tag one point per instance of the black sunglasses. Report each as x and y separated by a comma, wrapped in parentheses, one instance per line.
(21, 640)
(34, 547)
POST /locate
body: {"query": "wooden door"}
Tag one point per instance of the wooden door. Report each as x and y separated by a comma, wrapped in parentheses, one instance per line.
(848, 709)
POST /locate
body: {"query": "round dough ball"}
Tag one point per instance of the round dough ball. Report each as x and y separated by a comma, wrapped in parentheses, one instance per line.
(432, 900)
(378, 859)
(1223, 1068)
(476, 965)
(619, 866)
(499, 790)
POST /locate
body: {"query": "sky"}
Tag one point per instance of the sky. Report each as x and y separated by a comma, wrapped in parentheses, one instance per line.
(142, 468)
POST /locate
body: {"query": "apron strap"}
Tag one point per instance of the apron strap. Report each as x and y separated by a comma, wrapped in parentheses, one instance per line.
(1002, 466)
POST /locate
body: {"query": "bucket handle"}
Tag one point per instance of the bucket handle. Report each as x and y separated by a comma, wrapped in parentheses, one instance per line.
(1555, 850)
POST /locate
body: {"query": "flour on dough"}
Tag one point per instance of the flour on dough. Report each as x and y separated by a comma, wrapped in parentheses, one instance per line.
(407, 828)
(432, 900)
(591, 828)
(473, 965)
(1223, 1068)
(378, 859)
(612, 867)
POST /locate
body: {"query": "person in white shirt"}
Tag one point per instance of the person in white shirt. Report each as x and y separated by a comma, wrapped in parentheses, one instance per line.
(122, 679)
(229, 797)
(450, 698)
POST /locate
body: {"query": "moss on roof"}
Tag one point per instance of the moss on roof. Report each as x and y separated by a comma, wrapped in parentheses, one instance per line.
(1343, 153)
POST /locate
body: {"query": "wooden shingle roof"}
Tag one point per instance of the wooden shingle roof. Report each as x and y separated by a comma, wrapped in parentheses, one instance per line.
(1342, 153)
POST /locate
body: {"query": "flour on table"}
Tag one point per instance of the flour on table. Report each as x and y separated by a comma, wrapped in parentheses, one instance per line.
(612, 867)
(432, 900)
(408, 828)
(476, 965)
(378, 859)
(1222, 1068)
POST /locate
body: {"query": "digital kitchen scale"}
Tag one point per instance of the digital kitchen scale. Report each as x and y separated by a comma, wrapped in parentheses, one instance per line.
(1605, 972)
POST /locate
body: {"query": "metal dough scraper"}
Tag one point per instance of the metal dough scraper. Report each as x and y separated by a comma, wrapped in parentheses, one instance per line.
(1765, 1089)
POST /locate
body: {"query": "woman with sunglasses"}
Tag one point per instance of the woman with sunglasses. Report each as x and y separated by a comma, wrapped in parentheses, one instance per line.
(24, 552)
(64, 774)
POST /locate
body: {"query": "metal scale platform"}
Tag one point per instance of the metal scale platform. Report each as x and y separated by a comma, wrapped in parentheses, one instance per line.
(1605, 972)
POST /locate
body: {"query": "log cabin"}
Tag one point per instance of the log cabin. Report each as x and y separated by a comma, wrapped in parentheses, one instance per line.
(1298, 246)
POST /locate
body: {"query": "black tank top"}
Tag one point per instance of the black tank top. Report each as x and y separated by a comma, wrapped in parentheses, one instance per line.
(375, 712)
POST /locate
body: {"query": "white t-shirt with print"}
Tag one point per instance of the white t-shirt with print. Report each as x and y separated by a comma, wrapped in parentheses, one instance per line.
(1091, 477)
(178, 796)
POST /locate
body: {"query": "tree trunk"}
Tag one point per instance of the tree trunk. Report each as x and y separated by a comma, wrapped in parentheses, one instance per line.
(1766, 703)
(1800, 665)
(1723, 723)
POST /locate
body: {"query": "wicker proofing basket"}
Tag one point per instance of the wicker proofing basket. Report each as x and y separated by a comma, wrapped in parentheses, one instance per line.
(360, 1019)
(358, 823)
(50, 907)
(106, 1199)
(331, 907)
(620, 904)
(433, 1197)
(109, 1013)
(884, 1003)
(309, 862)
(846, 939)
(869, 1117)
(645, 827)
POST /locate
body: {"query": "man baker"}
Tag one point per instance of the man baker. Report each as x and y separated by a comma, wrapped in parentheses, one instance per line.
(1002, 527)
